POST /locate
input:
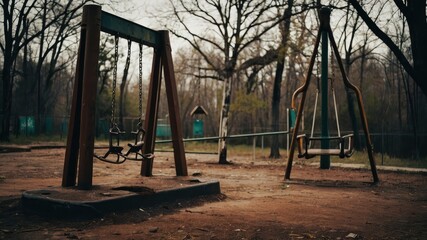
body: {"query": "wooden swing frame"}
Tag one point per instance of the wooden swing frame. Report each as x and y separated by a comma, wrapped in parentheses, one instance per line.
(80, 140)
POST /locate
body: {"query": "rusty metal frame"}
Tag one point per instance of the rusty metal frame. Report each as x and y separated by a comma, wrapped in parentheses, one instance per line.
(325, 27)
(80, 139)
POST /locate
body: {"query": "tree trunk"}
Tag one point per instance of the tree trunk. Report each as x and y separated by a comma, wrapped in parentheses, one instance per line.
(417, 24)
(223, 125)
(40, 101)
(275, 103)
(275, 108)
(7, 100)
(122, 88)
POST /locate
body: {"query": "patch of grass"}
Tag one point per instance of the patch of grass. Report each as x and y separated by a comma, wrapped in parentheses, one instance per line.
(358, 157)
(27, 140)
(384, 160)
(401, 162)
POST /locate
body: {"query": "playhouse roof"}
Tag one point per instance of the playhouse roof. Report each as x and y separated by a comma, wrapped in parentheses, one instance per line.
(198, 110)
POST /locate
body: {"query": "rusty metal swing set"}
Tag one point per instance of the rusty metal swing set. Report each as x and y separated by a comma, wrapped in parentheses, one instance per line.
(78, 164)
(302, 141)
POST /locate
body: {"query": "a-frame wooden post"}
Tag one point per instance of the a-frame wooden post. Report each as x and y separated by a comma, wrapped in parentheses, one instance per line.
(172, 98)
(152, 110)
(80, 140)
(163, 59)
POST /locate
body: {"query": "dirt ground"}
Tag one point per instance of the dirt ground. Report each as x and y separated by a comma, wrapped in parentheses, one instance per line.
(256, 203)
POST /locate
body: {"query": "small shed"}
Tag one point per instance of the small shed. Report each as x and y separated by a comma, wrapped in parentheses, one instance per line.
(198, 125)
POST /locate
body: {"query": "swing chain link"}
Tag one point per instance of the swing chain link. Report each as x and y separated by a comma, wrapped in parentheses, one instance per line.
(140, 84)
(113, 94)
(129, 52)
(318, 74)
(332, 68)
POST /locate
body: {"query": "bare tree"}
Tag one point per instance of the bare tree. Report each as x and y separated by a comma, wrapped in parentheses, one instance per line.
(415, 15)
(285, 28)
(231, 27)
(354, 50)
(52, 45)
(21, 26)
(123, 85)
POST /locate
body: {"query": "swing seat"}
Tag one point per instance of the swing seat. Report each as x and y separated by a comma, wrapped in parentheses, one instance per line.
(304, 143)
(117, 151)
(139, 156)
(136, 149)
(114, 150)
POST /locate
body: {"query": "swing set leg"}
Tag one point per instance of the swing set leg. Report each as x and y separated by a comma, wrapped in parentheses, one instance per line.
(81, 138)
(163, 58)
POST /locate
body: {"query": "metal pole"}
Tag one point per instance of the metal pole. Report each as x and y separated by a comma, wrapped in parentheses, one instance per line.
(303, 90)
(382, 143)
(228, 137)
(362, 112)
(287, 129)
(91, 18)
(253, 148)
(325, 162)
(262, 143)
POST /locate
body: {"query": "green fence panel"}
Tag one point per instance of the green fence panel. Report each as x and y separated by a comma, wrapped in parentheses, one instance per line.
(163, 131)
(102, 128)
(48, 124)
(64, 126)
(27, 125)
(292, 117)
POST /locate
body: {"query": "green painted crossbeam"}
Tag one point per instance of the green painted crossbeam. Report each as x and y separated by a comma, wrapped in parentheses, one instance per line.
(129, 30)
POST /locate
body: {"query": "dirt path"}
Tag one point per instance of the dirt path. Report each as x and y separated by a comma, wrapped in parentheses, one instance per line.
(257, 204)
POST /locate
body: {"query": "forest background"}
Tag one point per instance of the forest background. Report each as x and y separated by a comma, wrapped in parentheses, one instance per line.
(258, 51)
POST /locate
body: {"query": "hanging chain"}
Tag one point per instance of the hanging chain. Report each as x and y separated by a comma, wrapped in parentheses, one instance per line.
(129, 52)
(318, 72)
(113, 94)
(332, 68)
(140, 84)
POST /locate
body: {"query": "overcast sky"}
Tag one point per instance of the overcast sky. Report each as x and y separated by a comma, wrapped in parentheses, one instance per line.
(140, 11)
(137, 10)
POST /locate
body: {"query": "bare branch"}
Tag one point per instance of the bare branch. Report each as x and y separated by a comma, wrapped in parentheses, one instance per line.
(385, 38)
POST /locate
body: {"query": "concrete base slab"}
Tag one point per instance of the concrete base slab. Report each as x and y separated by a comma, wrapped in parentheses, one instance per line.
(74, 203)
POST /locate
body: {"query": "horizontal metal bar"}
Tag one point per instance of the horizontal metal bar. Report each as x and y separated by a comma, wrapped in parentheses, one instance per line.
(227, 137)
(123, 28)
(190, 139)
(192, 152)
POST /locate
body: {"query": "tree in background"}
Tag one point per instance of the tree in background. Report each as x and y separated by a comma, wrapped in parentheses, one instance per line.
(24, 22)
(230, 28)
(410, 15)
(356, 48)
(415, 14)
(285, 28)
